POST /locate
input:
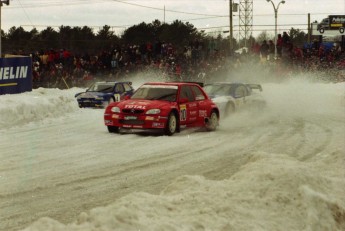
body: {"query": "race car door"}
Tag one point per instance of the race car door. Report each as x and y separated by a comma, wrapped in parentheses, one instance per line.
(240, 95)
(188, 110)
(203, 107)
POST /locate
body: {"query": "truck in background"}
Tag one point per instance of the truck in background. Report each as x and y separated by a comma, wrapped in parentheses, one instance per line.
(333, 22)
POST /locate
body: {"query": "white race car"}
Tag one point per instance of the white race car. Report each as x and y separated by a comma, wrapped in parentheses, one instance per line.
(231, 97)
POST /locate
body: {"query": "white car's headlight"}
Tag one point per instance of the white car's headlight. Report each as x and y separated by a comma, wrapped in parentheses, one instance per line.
(153, 112)
(115, 109)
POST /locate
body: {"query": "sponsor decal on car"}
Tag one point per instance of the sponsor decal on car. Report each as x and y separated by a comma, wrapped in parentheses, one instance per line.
(202, 113)
(183, 112)
(128, 106)
(158, 125)
(149, 118)
(192, 119)
(130, 117)
(193, 113)
(114, 116)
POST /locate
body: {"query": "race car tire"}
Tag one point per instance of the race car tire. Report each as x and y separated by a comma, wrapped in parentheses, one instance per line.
(113, 129)
(212, 122)
(171, 126)
(229, 109)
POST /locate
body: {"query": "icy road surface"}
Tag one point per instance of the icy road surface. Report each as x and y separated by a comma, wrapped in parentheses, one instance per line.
(280, 169)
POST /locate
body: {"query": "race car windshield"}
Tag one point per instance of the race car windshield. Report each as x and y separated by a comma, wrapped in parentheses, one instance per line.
(217, 89)
(101, 88)
(156, 93)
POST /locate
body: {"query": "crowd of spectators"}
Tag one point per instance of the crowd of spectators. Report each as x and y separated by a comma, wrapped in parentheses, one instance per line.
(164, 61)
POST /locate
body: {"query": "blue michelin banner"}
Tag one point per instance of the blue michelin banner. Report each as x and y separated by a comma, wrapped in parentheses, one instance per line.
(15, 75)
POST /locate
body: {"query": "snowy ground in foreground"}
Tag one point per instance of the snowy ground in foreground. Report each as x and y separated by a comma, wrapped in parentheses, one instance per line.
(282, 169)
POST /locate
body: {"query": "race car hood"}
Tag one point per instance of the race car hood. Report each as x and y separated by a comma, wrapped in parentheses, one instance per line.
(142, 104)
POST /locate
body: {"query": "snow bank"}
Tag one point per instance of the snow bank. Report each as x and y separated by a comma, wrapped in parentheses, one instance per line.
(41, 103)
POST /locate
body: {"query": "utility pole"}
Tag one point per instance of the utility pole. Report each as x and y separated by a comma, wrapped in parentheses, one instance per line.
(309, 29)
(7, 2)
(230, 25)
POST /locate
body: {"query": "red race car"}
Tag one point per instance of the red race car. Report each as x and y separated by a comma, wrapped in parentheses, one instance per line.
(167, 106)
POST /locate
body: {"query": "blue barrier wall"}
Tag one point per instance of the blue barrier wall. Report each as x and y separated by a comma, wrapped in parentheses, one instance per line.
(15, 75)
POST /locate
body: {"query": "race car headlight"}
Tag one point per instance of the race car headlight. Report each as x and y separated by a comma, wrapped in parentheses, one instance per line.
(153, 112)
(115, 109)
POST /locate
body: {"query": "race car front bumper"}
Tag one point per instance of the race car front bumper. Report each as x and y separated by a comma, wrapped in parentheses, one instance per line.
(135, 121)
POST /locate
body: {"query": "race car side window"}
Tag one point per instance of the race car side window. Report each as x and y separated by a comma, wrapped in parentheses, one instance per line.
(119, 88)
(127, 87)
(249, 90)
(240, 92)
(198, 93)
(186, 92)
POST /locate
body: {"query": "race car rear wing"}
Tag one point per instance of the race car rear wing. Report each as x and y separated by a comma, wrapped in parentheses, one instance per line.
(255, 86)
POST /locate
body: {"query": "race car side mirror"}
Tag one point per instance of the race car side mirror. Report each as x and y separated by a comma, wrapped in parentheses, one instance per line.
(127, 97)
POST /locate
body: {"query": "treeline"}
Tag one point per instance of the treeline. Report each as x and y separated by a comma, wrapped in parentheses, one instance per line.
(84, 39)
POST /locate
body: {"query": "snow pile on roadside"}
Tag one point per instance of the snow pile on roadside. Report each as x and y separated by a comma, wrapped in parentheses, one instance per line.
(41, 103)
(270, 192)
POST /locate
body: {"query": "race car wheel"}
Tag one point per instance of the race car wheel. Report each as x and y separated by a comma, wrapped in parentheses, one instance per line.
(113, 129)
(212, 122)
(171, 125)
(229, 109)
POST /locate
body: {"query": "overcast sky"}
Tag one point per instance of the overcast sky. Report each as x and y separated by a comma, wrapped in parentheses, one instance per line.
(120, 14)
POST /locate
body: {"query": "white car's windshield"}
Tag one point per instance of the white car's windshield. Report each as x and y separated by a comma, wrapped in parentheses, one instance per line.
(217, 89)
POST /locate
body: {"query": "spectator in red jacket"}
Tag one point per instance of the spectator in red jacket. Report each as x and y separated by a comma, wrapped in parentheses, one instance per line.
(279, 45)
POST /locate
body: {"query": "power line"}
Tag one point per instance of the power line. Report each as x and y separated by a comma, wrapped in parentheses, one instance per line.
(26, 14)
(86, 2)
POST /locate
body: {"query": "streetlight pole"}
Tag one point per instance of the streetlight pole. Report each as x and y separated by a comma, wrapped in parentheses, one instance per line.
(275, 24)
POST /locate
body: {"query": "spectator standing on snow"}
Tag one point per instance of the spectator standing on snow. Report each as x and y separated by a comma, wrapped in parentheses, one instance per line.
(279, 45)
(286, 39)
(271, 49)
(264, 49)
